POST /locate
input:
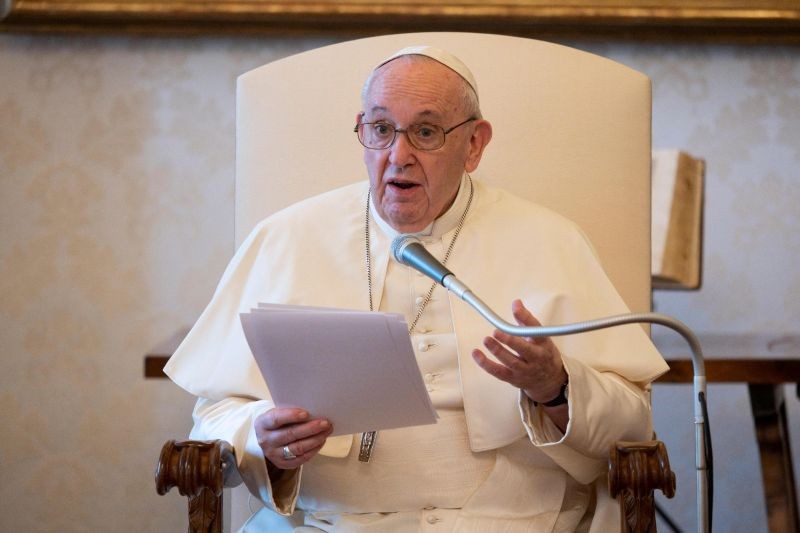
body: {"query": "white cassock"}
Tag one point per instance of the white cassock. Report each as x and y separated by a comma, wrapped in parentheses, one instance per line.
(493, 462)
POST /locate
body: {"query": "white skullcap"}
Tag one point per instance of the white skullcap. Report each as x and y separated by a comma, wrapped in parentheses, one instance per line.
(441, 56)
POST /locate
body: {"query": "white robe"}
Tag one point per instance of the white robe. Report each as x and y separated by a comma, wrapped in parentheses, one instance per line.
(508, 248)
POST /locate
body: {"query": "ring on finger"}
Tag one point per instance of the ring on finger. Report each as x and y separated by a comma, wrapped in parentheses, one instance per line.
(287, 453)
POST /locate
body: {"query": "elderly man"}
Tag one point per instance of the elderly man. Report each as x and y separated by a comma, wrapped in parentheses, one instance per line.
(524, 433)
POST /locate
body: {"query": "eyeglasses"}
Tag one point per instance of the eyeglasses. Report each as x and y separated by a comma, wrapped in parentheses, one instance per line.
(381, 135)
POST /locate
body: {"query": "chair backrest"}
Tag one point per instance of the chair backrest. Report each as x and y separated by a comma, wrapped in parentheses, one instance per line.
(571, 132)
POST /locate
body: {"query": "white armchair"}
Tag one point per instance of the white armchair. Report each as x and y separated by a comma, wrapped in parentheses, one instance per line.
(571, 131)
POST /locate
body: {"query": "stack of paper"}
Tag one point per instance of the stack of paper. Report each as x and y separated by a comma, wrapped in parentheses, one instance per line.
(355, 368)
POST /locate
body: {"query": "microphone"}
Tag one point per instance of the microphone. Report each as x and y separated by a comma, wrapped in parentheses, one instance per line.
(409, 250)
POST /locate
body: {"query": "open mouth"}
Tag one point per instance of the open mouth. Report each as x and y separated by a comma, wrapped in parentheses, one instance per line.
(402, 184)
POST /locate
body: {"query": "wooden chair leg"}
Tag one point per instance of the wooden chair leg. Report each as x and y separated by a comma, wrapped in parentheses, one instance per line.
(636, 469)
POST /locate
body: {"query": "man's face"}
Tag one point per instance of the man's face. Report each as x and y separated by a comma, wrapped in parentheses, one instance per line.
(412, 187)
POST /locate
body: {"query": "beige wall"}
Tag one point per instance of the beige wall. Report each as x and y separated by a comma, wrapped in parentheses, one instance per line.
(116, 160)
(116, 219)
(739, 108)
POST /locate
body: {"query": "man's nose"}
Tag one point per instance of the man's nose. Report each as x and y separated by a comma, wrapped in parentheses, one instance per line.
(401, 153)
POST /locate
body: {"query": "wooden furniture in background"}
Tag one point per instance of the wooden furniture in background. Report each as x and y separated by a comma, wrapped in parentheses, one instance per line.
(677, 237)
(765, 363)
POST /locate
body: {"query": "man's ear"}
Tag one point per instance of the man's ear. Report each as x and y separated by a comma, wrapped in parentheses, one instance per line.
(481, 135)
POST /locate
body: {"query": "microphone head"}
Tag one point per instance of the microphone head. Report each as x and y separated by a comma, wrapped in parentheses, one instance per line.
(400, 243)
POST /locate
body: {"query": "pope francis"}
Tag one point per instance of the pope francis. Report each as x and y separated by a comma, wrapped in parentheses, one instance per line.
(525, 425)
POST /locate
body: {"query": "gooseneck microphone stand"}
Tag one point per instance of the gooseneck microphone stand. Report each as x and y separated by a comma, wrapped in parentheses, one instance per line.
(407, 249)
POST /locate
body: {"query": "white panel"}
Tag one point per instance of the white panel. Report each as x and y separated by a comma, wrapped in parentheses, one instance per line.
(571, 131)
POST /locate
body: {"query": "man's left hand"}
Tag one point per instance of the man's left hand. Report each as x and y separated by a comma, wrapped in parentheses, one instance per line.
(532, 364)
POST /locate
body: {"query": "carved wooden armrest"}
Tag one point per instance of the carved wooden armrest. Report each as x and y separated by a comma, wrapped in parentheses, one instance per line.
(200, 470)
(635, 470)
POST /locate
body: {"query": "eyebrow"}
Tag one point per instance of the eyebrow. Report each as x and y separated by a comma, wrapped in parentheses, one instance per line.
(422, 114)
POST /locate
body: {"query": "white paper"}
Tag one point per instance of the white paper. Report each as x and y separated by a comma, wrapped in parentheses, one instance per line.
(355, 368)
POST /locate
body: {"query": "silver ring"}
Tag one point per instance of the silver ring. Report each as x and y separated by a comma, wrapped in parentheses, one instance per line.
(287, 453)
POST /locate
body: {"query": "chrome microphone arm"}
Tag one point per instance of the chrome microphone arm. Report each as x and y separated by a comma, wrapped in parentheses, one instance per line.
(458, 288)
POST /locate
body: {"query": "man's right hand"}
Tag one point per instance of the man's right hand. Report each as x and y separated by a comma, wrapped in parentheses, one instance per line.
(281, 427)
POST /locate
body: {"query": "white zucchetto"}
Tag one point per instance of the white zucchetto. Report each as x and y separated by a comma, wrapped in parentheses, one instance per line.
(437, 54)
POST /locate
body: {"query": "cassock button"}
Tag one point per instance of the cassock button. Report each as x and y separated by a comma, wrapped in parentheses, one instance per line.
(419, 300)
(432, 519)
(422, 346)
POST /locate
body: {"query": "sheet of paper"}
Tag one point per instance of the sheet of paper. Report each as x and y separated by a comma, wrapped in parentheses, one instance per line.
(355, 368)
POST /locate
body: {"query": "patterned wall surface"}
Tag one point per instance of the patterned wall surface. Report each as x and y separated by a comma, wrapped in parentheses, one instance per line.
(116, 219)
(738, 107)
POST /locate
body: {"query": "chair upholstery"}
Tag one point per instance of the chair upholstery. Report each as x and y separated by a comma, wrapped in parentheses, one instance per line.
(571, 132)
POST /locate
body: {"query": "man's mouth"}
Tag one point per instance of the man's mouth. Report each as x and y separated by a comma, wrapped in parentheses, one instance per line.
(402, 184)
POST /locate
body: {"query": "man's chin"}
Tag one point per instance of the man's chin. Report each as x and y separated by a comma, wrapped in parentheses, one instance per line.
(406, 222)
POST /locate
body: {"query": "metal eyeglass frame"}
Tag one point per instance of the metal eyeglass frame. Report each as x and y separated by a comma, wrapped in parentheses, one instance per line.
(405, 131)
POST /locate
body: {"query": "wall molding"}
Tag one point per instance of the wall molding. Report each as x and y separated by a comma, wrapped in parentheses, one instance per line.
(749, 21)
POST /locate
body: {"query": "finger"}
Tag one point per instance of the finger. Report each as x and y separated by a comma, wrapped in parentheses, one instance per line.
(525, 318)
(531, 361)
(283, 462)
(303, 450)
(506, 357)
(298, 432)
(525, 348)
(306, 445)
(290, 433)
(522, 315)
(499, 371)
(297, 461)
(299, 451)
(281, 416)
(303, 456)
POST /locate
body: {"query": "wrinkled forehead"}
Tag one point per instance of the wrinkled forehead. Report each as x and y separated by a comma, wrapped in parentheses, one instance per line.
(416, 88)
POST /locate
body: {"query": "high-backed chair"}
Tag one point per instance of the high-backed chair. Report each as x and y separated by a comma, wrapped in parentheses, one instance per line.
(571, 132)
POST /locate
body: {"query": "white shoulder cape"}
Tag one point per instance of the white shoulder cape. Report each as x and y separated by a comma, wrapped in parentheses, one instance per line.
(312, 253)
